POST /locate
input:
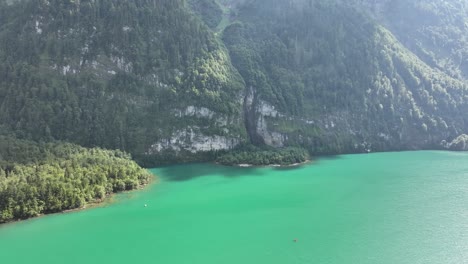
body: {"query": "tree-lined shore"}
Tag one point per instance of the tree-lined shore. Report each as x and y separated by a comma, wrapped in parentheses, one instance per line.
(43, 178)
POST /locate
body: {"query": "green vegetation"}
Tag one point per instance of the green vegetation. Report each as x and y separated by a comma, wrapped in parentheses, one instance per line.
(342, 82)
(209, 10)
(42, 178)
(434, 30)
(153, 78)
(263, 156)
(113, 74)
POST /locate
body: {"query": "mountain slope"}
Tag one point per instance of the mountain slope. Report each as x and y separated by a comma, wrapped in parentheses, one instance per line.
(326, 76)
(133, 75)
(152, 77)
(436, 31)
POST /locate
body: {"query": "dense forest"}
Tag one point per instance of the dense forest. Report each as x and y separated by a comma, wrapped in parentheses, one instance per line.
(181, 80)
(436, 31)
(42, 178)
(115, 74)
(339, 81)
(208, 10)
(251, 155)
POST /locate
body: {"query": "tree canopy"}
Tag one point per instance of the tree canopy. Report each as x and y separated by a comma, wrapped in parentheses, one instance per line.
(42, 178)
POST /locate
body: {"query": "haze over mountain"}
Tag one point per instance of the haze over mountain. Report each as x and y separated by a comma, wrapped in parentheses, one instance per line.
(174, 80)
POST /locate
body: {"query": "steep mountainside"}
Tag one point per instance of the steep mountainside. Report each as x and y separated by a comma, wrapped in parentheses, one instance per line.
(436, 31)
(168, 80)
(326, 76)
(142, 76)
(208, 10)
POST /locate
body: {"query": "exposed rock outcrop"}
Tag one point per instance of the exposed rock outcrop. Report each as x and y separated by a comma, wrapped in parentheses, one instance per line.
(193, 140)
(460, 143)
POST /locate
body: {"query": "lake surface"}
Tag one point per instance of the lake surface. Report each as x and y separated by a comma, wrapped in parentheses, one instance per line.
(409, 207)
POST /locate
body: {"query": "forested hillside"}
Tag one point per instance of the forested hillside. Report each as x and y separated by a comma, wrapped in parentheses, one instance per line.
(325, 75)
(436, 31)
(134, 75)
(208, 10)
(176, 80)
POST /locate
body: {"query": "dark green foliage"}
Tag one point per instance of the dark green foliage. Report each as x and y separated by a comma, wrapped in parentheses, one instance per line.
(120, 74)
(434, 30)
(343, 82)
(110, 73)
(209, 10)
(171, 157)
(263, 156)
(41, 178)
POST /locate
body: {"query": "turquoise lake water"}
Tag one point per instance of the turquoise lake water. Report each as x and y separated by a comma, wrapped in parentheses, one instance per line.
(408, 207)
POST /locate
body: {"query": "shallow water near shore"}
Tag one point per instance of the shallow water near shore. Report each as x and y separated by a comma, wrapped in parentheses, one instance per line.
(407, 207)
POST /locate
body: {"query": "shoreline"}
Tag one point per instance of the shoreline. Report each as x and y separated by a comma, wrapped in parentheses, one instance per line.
(246, 165)
(109, 199)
